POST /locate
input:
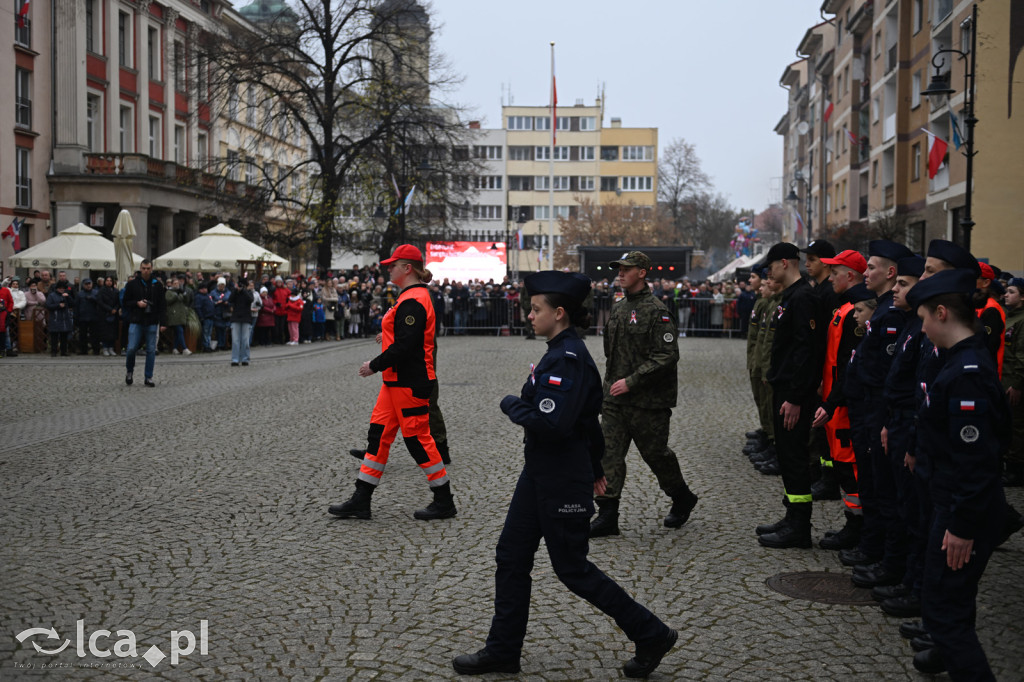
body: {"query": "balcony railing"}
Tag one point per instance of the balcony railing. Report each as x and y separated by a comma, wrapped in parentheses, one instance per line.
(23, 34)
(23, 112)
(143, 166)
(892, 58)
(23, 192)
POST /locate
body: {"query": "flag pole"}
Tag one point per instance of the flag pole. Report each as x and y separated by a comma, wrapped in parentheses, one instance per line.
(551, 165)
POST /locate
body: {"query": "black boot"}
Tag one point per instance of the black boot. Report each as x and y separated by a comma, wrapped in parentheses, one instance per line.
(766, 528)
(848, 537)
(763, 455)
(683, 502)
(358, 506)
(358, 454)
(795, 530)
(826, 487)
(443, 506)
(607, 520)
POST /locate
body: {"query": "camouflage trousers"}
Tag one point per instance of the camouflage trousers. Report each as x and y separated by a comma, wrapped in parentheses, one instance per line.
(763, 399)
(647, 428)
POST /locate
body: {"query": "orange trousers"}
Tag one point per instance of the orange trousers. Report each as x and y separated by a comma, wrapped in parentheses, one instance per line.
(397, 408)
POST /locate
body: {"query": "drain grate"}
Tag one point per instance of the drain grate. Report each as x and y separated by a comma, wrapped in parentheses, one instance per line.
(820, 586)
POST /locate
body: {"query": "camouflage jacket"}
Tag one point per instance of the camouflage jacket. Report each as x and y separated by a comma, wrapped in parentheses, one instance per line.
(641, 346)
(767, 334)
(754, 333)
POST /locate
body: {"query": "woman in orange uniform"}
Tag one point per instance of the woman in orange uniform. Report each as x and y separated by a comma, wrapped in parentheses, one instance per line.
(407, 367)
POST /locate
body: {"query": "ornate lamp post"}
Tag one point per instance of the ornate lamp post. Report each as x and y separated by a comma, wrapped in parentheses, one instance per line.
(794, 199)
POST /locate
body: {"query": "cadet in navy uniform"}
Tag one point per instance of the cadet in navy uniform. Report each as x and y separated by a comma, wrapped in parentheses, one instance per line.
(558, 408)
(963, 425)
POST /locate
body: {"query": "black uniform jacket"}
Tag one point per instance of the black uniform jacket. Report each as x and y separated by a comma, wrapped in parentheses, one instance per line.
(796, 359)
(559, 407)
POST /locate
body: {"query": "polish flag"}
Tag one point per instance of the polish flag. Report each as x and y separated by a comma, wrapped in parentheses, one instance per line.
(936, 152)
(23, 14)
(967, 405)
(555, 381)
(828, 110)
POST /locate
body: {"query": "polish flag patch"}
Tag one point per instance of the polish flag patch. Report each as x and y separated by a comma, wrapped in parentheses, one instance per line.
(967, 406)
(666, 318)
(557, 381)
(892, 330)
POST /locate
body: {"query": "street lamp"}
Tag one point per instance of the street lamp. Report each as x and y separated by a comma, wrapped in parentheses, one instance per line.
(794, 199)
(938, 92)
(513, 263)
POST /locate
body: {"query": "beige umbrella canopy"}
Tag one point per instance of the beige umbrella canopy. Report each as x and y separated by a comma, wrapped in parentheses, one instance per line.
(75, 248)
(219, 248)
(124, 235)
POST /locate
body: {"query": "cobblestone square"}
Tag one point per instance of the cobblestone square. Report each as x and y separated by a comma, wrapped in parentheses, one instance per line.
(152, 510)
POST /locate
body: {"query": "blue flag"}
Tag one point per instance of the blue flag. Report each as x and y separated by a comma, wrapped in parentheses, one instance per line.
(956, 130)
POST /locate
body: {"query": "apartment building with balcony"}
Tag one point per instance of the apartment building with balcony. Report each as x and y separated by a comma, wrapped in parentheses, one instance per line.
(25, 123)
(867, 161)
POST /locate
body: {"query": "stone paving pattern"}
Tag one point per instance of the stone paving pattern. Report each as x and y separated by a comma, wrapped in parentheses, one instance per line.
(205, 498)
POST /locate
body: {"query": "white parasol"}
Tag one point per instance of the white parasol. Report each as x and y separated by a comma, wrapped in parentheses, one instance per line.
(124, 235)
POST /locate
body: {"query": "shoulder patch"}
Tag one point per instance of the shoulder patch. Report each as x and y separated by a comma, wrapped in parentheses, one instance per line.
(969, 433)
(547, 406)
(668, 337)
(812, 323)
(410, 320)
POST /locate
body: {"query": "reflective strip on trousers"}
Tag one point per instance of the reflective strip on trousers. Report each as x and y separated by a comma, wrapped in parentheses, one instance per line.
(799, 499)
(826, 462)
(368, 478)
(852, 502)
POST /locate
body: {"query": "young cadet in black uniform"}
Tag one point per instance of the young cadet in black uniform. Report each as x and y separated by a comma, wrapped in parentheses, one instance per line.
(963, 426)
(824, 486)
(875, 479)
(903, 599)
(794, 376)
(558, 408)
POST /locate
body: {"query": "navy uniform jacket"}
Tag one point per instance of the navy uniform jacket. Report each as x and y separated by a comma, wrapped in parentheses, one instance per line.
(878, 348)
(901, 384)
(964, 426)
(795, 370)
(559, 407)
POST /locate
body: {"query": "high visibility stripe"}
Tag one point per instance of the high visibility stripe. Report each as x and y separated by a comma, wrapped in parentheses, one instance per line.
(369, 463)
(434, 469)
(826, 462)
(800, 499)
(852, 501)
(368, 478)
(437, 482)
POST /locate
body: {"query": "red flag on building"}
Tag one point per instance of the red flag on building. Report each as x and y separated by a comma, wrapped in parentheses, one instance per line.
(13, 232)
(936, 152)
(828, 110)
(23, 14)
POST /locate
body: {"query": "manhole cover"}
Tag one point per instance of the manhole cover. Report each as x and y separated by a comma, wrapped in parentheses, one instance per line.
(820, 586)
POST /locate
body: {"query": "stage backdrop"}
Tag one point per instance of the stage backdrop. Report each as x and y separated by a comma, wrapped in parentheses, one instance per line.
(464, 261)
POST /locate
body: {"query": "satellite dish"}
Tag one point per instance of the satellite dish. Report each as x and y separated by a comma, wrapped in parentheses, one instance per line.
(803, 127)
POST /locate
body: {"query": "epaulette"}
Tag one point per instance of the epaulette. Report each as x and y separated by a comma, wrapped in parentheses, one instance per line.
(970, 360)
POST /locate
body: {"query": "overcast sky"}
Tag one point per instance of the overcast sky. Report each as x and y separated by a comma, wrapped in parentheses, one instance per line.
(704, 71)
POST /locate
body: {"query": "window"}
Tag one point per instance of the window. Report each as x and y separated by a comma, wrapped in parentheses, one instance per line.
(942, 10)
(915, 162)
(22, 27)
(520, 183)
(609, 153)
(90, 25)
(874, 173)
(542, 183)
(843, 194)
(492, 152)
(201, 143)
(562, 183)
(488, 182)
(179, 144)
(586, 183)
(875, 108)
(839, 32)
(586, 153)
(127, 130)
(542, 123)
(23, 177)
(180, 80)
(93, 123)
(588, 123)
(201, 67)
(124, 39)
(965, 37)
(233, 101)
(609, 183)
(637, 183)
(846, 80)
(232, 160)
(562, 212)
(23, 98)
(564, 123)
(153, 52)
(520, 122)
(520, 153)
(542, 154)
(878, 43)
(154, 137)
(637, 153)
(487, 212)
(918, 15)
(915, 90)
(541, 212)
(561, 152)
(250, 172)
(250, 104)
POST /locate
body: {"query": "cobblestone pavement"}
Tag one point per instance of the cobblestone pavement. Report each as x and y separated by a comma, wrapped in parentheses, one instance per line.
(152, 510)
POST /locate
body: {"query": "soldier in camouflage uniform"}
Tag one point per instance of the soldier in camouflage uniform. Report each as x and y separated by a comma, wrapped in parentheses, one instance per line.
(759, 438)
(767, 461)
(640, 385)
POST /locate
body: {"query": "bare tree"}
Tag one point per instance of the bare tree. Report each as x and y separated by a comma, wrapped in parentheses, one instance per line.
(610, 225)
(680, 179)
(355, 80)
(712, 223)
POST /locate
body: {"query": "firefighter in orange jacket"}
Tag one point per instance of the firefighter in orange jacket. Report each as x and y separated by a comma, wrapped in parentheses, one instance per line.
(991, 314)
(407, 367)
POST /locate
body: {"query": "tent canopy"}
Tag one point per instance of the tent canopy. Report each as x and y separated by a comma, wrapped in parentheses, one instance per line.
(218, 248)
(75, 248)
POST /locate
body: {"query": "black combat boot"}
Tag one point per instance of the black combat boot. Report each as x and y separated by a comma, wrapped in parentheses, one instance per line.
(683, 502)
(443, 506)
(607, 520)
(795, 530)
(358, 506)
(848, 537)
(358, 454)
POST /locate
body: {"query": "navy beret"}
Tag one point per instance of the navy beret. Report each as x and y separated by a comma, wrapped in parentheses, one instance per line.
(883, 248)
(820, 248)
(780, 251)
(1016, 282)
(955, 255)
(958, 281)
(911, 266)
(571, 284)
(859, 292)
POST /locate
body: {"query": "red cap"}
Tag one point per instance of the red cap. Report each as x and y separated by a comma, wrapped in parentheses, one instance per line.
(850, 258)
(986, 271)
(404, 252)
